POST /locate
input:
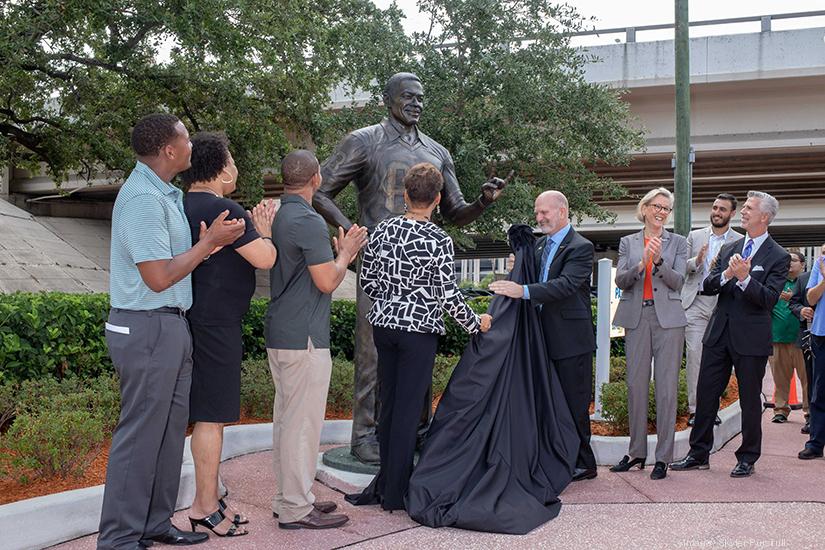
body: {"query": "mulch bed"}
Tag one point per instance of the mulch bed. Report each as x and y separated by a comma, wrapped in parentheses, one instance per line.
(12, 490)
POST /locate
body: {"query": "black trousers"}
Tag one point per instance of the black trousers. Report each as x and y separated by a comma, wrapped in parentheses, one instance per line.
(405, 371)
(714, 375)
(576, 379)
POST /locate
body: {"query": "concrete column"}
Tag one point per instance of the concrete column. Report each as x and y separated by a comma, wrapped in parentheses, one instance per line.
(5, 181)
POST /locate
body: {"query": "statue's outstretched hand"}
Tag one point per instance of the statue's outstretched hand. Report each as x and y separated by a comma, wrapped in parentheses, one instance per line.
(492, 188)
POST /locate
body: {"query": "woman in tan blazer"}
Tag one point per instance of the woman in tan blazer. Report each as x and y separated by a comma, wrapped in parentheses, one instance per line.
(650, 273)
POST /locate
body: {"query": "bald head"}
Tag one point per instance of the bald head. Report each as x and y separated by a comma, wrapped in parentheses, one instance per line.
(551, 211)
(298, 168)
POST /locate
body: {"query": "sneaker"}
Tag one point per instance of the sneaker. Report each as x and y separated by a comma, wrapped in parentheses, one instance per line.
(779, 418)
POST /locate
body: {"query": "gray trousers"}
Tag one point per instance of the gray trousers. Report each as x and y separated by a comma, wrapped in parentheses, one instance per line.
(664, 345)
(152, 353)
(698, 316)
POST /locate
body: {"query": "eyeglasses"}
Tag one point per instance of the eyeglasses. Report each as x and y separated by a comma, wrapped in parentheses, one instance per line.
(660, 208)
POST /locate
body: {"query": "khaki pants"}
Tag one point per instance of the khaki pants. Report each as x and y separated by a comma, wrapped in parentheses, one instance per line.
(301, 380)
(786, 359)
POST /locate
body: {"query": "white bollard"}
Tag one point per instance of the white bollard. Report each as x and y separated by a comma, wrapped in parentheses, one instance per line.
(603, 296)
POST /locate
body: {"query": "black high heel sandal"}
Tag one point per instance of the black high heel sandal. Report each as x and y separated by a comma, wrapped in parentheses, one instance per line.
(238, 519)
(213, 520)
(626, 463)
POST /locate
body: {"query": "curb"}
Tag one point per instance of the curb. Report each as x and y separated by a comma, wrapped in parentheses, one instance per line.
(23, 526)
(22, 523)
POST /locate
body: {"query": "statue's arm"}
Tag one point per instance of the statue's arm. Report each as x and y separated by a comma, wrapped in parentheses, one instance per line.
(342, 167)
(453, 207)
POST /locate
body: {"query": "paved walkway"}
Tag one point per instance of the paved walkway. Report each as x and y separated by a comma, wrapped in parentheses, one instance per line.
(781, 506)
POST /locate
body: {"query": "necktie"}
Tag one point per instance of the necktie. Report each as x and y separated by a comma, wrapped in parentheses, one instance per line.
(748, 249)
(546, 256)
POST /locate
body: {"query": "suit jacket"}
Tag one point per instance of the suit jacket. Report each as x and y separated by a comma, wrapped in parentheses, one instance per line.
(799, 300)
(747, 314)
(695, 241)
(566, 317)
(668, 279)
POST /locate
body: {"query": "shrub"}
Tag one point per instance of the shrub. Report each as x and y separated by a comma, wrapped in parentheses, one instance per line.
(53, 334)
(615, 406)
(60, 425)
(257, 390)
(456, 338)
(442, 371)
(8, 402)
(54, 442)
(341, 386)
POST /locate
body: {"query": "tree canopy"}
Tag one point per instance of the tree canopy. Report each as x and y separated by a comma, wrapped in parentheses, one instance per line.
(77, 74)
(503, 87)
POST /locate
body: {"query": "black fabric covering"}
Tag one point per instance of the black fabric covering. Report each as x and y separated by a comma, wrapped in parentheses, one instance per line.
(502, 445)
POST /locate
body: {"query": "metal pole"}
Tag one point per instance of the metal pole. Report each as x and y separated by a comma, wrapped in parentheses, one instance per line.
(605, 273)
(682, 183)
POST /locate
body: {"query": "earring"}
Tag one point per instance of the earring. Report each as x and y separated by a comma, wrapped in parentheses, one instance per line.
(226, 182)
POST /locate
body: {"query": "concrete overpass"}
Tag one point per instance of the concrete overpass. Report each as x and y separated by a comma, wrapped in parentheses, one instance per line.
(757, 122)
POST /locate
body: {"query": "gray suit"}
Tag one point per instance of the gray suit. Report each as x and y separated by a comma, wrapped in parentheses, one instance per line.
(698, 307)
(652, 332)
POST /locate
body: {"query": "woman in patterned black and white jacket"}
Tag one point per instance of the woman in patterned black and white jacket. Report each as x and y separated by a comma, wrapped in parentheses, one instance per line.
(407, 271)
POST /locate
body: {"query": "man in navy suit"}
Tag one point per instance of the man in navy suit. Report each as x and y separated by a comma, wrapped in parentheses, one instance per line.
(565, 263)
(748, 279)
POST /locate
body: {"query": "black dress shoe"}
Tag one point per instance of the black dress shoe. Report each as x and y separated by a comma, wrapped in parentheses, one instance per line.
(809, 454)
(689, 463)
(627, 463)
(580, 474)
(742, 469)
(659, 471)
(806, 429)
(175, 536)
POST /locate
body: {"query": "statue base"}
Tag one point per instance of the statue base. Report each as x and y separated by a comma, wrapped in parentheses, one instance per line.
(341, 458)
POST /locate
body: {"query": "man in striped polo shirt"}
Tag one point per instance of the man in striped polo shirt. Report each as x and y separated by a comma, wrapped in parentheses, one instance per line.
(148, 337)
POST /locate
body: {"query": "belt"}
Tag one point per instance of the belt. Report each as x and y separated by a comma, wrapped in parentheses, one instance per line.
(169, 310)
(647, 303)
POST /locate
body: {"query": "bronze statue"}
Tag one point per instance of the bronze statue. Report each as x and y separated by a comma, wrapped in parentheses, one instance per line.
(376, 158)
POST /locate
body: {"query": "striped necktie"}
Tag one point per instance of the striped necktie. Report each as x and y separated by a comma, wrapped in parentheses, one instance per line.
(748, 249)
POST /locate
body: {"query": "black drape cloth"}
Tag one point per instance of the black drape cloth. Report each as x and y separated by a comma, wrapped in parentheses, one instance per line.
(502, 445)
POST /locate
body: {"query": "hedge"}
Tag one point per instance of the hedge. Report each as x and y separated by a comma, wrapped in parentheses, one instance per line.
(58, 334)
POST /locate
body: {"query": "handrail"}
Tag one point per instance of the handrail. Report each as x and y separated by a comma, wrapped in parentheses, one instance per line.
(765, 19)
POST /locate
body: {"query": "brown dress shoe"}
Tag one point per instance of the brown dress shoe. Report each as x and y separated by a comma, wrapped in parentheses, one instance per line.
(325, 506)
(316, 520)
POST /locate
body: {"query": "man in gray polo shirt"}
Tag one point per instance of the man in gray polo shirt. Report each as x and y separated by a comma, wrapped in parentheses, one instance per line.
(297, 340)
(148, 337)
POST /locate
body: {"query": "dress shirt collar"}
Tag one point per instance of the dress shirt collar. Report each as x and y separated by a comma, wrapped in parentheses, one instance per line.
(559, 235)
(757, 242)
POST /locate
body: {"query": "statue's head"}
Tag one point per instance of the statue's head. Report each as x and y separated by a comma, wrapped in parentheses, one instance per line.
(404, 98)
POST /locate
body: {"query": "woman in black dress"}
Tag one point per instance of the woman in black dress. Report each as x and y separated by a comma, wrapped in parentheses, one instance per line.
(408, 273)
(222, 288)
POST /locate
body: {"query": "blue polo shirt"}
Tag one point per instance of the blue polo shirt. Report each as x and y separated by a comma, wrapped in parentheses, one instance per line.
(818, 325)
(148, 223)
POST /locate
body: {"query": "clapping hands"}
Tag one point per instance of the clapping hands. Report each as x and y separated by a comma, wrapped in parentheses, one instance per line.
(738, 267)
(262, 216)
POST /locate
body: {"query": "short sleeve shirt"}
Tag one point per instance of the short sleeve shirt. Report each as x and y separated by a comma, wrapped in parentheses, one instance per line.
(223, 285)
(818, 325)
(297, 309)
(148, 224)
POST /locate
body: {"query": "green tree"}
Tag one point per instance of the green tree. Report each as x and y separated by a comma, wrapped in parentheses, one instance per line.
(76, 74)
(504, 89)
